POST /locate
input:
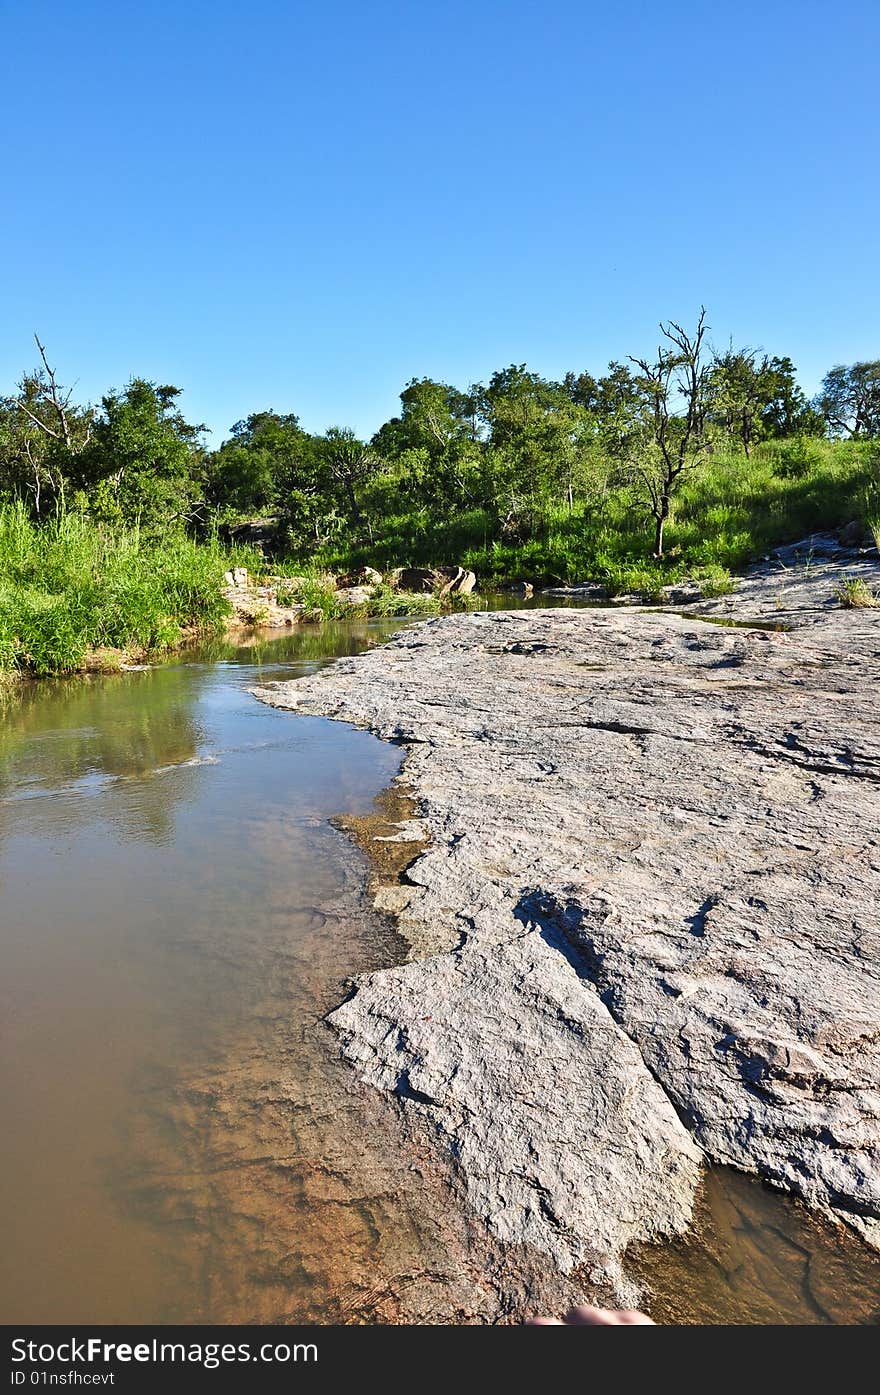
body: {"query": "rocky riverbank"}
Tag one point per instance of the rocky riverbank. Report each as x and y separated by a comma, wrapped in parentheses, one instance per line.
(644, 930)
(278, 602)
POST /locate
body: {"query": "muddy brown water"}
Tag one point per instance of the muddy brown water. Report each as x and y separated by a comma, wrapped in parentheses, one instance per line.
(181, 1140)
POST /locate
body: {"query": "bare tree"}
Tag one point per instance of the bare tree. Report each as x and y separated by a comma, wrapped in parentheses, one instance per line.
(52, 429)
(57, 401)
(676, 379)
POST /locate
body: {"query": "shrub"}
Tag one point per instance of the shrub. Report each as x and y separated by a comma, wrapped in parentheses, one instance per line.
(855, 594)
(318, 595)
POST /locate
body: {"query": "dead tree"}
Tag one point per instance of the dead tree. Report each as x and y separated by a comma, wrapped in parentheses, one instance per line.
(48, 407)
(676, 378)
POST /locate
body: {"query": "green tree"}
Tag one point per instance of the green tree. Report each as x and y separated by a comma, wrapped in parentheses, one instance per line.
(434, 443)
(42, 433)
(736, 394)
(582, 389)
(785, 410)
(750, 398)
(255, 470)
(144, 459)
(850, 399)
(350, 463)
(623, 407)
(540, 436)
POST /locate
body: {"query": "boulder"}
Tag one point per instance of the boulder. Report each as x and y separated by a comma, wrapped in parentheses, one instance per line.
(354, 595)
(360, 576)
(417, 579)
(462, 581)
(259, 533)
(443, 580)
(238, 576)
(585, 591)
(816, 546)
(853, 535)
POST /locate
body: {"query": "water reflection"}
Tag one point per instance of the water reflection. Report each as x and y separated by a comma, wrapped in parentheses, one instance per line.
(67, 740)
(177, 915)
(183, 1142)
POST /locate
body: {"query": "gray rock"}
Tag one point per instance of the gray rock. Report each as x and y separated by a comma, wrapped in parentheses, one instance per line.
(651, 892)
(584, 591)
(817, 545)
(354, 595)
(564, 1139)
(361, 576)
(416, 579)
(853, 534)
(443, 580)
(463, 581)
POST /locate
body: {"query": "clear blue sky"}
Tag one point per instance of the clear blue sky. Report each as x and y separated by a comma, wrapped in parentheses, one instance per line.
(302, 205)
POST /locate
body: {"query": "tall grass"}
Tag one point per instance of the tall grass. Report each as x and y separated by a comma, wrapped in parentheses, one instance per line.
(729, 511)
(70, 586)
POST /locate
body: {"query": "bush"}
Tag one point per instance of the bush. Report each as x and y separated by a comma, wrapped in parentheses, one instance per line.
(731, 510)
(318, 595)
(70, 586)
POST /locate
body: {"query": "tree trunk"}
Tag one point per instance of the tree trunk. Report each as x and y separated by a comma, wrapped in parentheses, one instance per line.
(355, 511)
(660, 518)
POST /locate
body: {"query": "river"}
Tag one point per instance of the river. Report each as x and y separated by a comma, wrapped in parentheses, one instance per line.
(182, 1141)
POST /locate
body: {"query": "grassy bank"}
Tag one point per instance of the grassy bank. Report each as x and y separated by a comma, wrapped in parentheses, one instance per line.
(73, 591)
(69, 587)
(732, 509)
(322, 601)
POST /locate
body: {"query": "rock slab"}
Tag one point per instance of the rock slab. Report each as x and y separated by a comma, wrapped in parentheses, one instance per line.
(647, 917)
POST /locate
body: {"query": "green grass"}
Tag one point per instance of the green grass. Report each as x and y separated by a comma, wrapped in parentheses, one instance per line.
(69, 587)
(855, 594)
(384, 600)
(318, 595)
(727, 513)
(322, 602)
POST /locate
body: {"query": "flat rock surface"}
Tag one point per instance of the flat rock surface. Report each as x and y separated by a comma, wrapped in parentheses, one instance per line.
(645, 928)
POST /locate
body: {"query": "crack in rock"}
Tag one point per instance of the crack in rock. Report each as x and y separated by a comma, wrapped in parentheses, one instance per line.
(702, 974)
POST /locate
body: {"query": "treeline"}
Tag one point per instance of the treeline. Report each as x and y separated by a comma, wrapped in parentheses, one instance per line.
(508, 459)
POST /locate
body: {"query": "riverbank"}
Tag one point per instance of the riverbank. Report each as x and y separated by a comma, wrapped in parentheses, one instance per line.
(75, 596)
(78, 596)
(649, 885)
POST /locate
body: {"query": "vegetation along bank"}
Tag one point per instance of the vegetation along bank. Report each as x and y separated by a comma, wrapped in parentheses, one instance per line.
(118, 524)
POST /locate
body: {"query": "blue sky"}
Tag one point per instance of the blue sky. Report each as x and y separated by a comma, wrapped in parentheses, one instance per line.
(301, 206)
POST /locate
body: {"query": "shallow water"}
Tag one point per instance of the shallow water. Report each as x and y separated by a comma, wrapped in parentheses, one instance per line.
(182, 1141)
(176, 911)
(774, 626)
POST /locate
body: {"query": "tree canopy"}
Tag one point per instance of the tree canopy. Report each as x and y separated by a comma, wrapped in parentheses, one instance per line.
(508, 451)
